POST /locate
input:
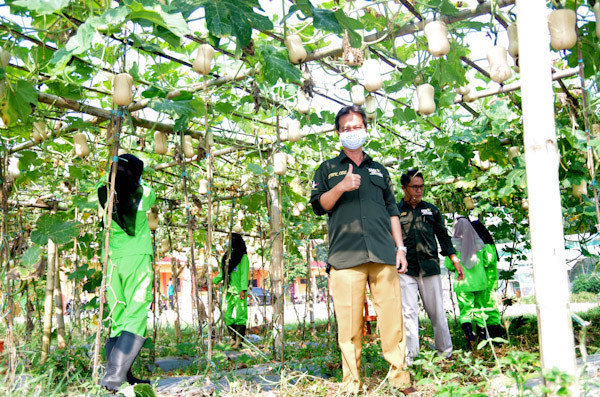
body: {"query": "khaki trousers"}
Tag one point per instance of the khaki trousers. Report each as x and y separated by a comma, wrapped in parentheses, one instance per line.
(348, 289)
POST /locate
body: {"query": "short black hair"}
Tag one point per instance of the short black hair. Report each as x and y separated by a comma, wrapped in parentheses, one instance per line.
(350, 109)
(406, 177)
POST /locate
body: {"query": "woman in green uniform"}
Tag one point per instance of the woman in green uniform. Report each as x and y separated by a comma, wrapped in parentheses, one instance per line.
(129, 273)
(493, 322)
(234, 272)
(471, 294)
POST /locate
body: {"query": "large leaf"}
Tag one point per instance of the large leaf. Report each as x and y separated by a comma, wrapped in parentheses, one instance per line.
(277, 66)
(82, 41)
(234, 18)
(154, 12)
(43, 7)
(350, 25)
(53, 227)
(326, 20)
(173, 108)
(17, 106)
(31, 256)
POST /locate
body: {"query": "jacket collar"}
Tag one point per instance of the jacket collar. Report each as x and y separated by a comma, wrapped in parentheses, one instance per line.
(343, 157)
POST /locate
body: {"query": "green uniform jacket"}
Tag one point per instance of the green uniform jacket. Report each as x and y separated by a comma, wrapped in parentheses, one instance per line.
(475, 278)
(359, 225)
(121, 244)
(238, 279)
(420, 227)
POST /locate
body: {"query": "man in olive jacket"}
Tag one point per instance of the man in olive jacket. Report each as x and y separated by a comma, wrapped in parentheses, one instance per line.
(365, 246)
(421, 223)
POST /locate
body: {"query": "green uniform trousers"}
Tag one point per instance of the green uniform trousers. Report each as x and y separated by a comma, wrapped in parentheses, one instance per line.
(129, 293)
(236, 309)
(489, 305)
(472, 307)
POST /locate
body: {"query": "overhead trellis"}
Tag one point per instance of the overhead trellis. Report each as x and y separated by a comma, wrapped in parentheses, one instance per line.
(59, 58)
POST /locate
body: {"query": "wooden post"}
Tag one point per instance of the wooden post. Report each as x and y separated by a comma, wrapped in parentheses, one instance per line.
(310, 284)
(174, 278)
(209, 249)
(48, 301)
(116, 128)
(557, 347)
(277, 299)
(5, 190)
(58, 305)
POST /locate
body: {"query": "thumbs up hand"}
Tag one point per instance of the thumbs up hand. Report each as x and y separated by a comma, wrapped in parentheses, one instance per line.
(351, 181)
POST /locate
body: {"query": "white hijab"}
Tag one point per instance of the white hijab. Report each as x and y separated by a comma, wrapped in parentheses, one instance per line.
(467, 241)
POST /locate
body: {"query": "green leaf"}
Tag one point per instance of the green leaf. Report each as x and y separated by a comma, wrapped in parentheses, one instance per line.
(350, 25)
(31, 256)
(277, 66)
(115, 16)
(53, 227)
(224, 107)
(256, 169)
(326, 20)
(143, 390)
(234, 18)
(156, 15)
(82, 41)
(61, 58)
(86, 202)
(217, 18)
(17, 106)
(173, 108)
(43, 7)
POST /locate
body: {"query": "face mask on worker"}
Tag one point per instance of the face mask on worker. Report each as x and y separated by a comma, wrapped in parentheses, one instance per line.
(353, 139)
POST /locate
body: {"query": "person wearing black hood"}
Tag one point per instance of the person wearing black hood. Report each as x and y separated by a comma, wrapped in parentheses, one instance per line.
(234, 270)
(129, 273)
(493, 323)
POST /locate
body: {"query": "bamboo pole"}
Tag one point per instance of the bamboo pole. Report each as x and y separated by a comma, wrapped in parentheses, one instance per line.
(190, 230)
(277, 299)
(155, 296)
(5, 190)
(47, 330)
(557, 347)
(586, 122)
(174, 278)
(310, 297)
(58, 305)
(209, 250)
(116, 122)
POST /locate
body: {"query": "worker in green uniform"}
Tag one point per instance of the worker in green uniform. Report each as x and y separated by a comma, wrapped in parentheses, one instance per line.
(473, 293)
(129, 273)
(494, 327)
(235, 269)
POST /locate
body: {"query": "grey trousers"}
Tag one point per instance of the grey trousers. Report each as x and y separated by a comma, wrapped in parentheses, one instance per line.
(432, 296)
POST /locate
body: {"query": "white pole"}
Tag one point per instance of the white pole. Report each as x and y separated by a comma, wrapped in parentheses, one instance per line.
(557, 347)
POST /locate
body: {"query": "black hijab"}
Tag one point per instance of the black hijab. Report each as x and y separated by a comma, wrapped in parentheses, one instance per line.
(484, 234)
(238, 250)
(128, 192)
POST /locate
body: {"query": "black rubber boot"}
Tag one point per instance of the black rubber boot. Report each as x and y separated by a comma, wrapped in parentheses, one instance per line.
(132, 380)
(496, 331)
(242, 331)
(232, 333)
(468, 330)
(238, 339)
(481, 333)
(120, 360)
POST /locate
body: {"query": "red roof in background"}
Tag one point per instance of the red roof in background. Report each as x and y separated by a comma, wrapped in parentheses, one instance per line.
(318, 265)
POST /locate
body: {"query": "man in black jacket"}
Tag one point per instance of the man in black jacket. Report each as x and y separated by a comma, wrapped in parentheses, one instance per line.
(421, 223)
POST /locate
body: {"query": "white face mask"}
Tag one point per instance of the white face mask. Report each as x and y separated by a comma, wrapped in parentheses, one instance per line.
(353, 139)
